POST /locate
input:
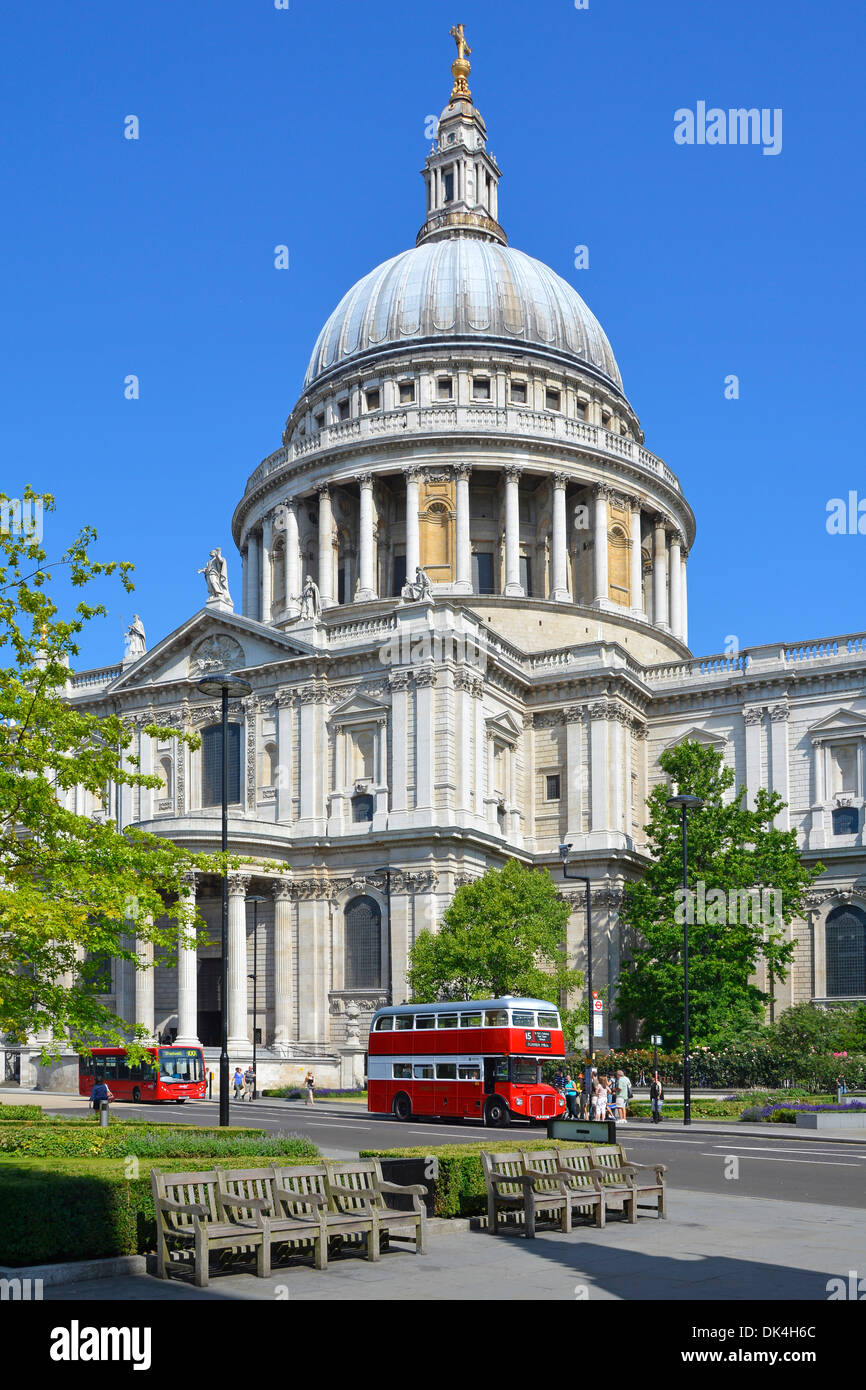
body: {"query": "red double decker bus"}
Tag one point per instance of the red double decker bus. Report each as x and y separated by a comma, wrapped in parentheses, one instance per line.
(481, 1059)
(172, 1073)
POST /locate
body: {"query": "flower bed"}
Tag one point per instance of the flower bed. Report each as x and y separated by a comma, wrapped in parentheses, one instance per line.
(786, 1114)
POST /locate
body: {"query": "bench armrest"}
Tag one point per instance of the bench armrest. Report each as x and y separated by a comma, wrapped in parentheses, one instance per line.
(296, 1199)
(227, 1199)
(658, 1168)
(415, 1189)
(365, 1196)
(568, 1176)
(189, 1208)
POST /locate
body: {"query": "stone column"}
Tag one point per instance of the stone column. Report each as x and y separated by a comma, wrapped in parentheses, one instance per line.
(675, 592)
(753, 720)
(367, 586)
(513, 586)
(245, 582)
(238, 989)
(187, 973)
(399, 683)
(660, 615)
(779, 714)
(636, 559)
(267, 544)
(599, 771)
(283, 986)
(684, 599)
(559, 555)
(326, 547)
(573, 721)
(285, 771)
(463, 572)
(144, 986)
(413, 538)
(292, 553)
(146, 795)
(425, 739)
(253, 587)
(600, 527)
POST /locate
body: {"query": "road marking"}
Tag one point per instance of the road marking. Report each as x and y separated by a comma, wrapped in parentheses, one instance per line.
(772, 1158)
(818, 1153)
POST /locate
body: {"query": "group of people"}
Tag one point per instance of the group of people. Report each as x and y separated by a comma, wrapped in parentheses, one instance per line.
(244, 1083)
(605, 1097)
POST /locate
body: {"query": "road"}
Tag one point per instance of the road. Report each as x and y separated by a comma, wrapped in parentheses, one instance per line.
(747, 1164)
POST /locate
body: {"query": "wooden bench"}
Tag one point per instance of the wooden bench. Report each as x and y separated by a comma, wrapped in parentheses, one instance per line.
(298, 1189)
(584, 1185)
(357, 1186)
(510, 1188)
(617, 1187)
(292, 1201)
(614, 1161)
(192, 1219)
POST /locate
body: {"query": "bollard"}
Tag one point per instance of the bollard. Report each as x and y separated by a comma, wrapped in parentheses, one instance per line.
(210, 1085)
(103, 1114)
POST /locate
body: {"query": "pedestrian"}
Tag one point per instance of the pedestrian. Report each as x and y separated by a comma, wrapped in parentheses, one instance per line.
(641, 1079)
(238, 1083)
(559, 1079)
(599, 1102)
(657, 1098)
(585, 1094)
(610, 1112)
(623, 1096)
(250, 1082)
(571, 1097)
(309, 1087)
(100, 1093)
(841, 1090)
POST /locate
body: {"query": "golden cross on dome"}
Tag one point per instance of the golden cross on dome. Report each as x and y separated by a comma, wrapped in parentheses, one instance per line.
(459, 38)
(460, 68)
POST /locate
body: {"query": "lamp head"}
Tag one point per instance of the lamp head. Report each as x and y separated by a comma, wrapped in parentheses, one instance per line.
(224, 681)
(563, 853)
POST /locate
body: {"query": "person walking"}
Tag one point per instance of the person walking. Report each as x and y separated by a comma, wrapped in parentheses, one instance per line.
(559, 1079)
(100, 1093)
(623, 1096)
(600, 1099)
(238, 1083)
(250, 1083)
(641, 1080)
(657, 1098)
(571, 1097)
(309, 1087)
(586, 1094)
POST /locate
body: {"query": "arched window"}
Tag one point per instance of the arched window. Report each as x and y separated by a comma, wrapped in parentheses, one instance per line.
(212, 764)
(846, 952)
(268, 765)
(846, 820)
(362, 808)
(165, 791)
(363, 945)
(278, 574)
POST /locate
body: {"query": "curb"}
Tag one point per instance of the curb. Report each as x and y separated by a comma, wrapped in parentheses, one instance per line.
(76, 1271)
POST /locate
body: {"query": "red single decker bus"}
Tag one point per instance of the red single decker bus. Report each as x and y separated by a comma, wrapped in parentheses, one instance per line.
(480, 1059)
(173, 1073)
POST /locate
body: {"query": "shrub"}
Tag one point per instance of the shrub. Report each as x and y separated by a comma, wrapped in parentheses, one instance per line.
(53, 1141)
(321, 1093)
(458, 1176)
(762, 1063)
(20, 1112)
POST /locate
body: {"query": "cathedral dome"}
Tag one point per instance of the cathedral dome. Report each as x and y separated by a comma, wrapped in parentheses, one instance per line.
(463, 288)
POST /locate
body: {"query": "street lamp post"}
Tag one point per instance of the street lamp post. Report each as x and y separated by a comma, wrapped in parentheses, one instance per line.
(583, 878)
(686, 803)
(226, 684)
(255, 899)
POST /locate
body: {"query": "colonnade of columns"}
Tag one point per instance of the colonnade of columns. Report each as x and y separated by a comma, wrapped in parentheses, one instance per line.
(238, 973)
(667, 605)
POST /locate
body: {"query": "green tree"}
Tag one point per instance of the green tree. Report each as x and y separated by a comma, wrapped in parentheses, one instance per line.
(502, 934)
(732, 849)
(72, 888)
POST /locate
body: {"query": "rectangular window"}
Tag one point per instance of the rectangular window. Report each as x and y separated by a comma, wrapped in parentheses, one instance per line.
(402, 1071)
(319, 421)
(482, 572)
(407, 392)
(212, 764)
(548, 1020)
(551, 400)
(404, 1023)
(523, 1018)
(448, 187)
(372, 398)
(343, 409)
(446, 1071)
(470, 1020)
(398, 574)
(580, 410)
(385, 1025)
(526, 575)
(518, 392)
(425, 1021)
(423, 1071)
(447, 1020)
(552, 787)
(469, 1071)
(444, 388)
(605, 419)
(496, 1018)
(481, 388)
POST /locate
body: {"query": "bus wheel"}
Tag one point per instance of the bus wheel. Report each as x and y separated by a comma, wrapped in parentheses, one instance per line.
(496, 1114)
(181, 1102)
(402, 1107)
(136, 1093)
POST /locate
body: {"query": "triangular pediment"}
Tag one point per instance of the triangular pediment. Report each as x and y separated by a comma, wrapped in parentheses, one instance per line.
(505, 726)
(841, 721)
(209, 641)
(359, 706)
(708, 738)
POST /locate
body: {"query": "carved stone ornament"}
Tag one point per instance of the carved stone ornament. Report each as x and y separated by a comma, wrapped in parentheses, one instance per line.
(218, 652)
(752, 716)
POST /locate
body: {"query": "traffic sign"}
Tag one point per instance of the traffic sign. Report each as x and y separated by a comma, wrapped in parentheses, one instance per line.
(656, 1040)
(597, 1006)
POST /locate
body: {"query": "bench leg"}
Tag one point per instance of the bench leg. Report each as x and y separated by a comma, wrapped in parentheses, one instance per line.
(530, 1220)
(566, 1216)
(163, 1256)
(663, 1213)
(421, 1235)
(630, 1205)
(492, 1219)
(373, 1241)
(263, 1257)
(200, 1276)
(600, 1214)
(320, 1249)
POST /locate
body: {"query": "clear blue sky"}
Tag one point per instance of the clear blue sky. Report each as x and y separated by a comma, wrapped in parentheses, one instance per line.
(306, 127)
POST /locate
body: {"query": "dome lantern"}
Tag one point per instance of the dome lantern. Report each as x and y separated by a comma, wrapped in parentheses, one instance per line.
(462, 178)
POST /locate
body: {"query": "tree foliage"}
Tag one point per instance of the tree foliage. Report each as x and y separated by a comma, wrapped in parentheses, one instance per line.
(72, 888)
(502, 934)
(730, 848)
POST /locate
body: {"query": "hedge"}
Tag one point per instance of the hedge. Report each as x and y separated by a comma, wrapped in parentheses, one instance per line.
(20, 1112)
(82, 1209)
(457, 1175)
(758, 1064)
(62, 1141)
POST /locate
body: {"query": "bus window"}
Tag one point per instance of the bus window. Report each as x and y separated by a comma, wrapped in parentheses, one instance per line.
(548, 1021)
(402, 1071)
(470, 1020)
(425, 1020)
(446, 1071)
(402, 1022)
(448, 1021)
(525, 1071)
(523, 1018)
(106, 1068)
(385, 1025)
(423, 1071)
(496, 1018)
(469, 1071)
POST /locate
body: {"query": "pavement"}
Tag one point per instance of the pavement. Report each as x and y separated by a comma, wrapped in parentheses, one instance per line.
(729, 1250)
